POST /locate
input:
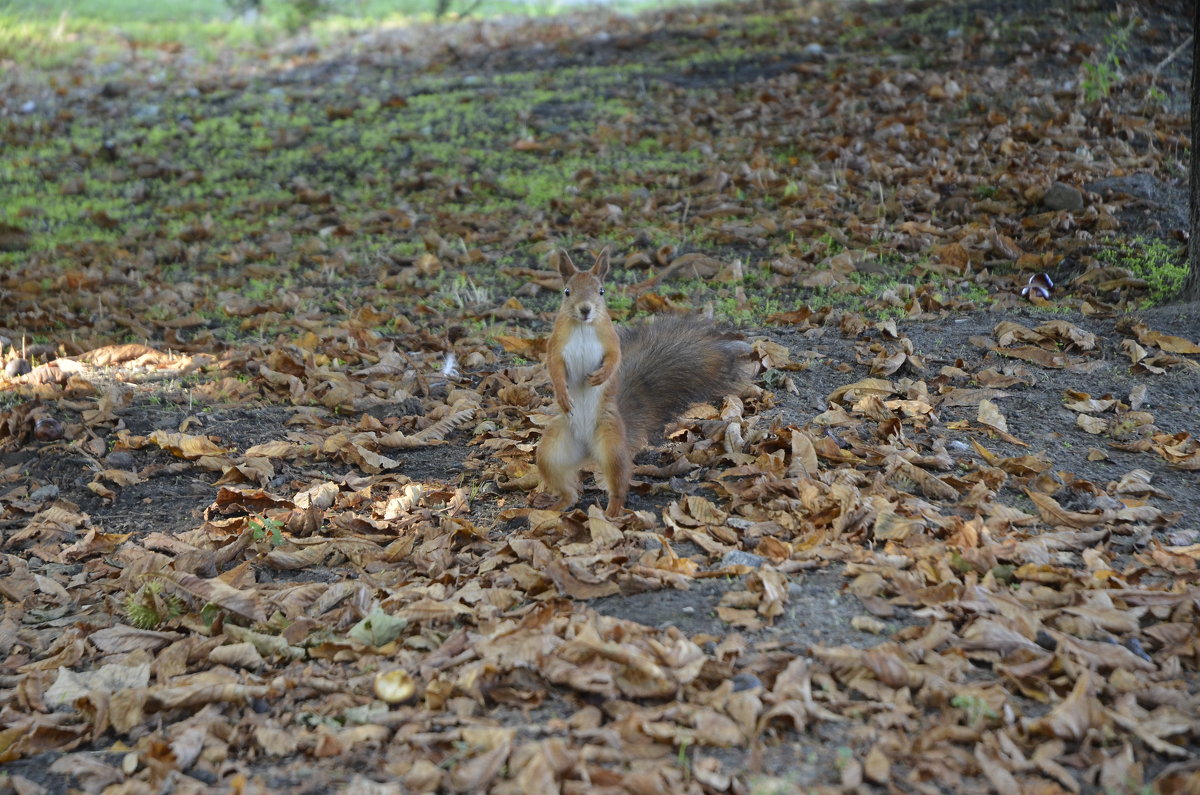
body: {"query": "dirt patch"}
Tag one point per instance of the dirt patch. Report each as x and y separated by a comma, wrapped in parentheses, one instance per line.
(1159, 209)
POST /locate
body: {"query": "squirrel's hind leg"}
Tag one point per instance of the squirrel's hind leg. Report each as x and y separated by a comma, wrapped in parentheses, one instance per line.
(559, 457)
(616, 462)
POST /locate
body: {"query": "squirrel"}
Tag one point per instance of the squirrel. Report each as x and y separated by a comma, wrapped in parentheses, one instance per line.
(615, 390)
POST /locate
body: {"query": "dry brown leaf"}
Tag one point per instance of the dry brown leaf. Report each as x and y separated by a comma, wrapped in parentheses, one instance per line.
(571, 585)
(1166, 342)
(238, 655)
(1054, 514)
(989, 414)
(119, 354)
(186, 446)
(1074, 717)
(247, 604)
(996, 771)
(877, 768)
(852, 393)
(120, 638)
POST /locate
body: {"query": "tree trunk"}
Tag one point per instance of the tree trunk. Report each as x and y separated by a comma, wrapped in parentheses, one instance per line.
(1191, 288)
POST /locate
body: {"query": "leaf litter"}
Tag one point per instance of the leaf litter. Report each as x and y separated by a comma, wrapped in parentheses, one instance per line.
(284, 541)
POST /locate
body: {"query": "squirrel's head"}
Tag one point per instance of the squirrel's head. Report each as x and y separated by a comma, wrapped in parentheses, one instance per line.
(583, 291)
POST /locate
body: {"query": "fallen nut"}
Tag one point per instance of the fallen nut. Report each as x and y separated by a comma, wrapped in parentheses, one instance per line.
(395, 687)
(47, 429)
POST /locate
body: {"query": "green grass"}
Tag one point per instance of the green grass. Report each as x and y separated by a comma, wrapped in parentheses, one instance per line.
(56, 30)
(1162, 267)
(68, 188)
(242, 167)
(53, 31)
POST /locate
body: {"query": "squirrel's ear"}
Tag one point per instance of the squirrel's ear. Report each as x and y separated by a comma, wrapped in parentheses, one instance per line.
(600, 269)
(566, 268)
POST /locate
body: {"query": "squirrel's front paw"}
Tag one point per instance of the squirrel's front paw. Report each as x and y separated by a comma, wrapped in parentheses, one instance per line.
(565, 405)
(597, 378)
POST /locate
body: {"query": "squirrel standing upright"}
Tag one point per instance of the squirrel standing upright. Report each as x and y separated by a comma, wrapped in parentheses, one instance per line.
(615, 390)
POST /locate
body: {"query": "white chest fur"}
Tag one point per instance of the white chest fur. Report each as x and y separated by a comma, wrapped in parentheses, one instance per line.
(582, 355)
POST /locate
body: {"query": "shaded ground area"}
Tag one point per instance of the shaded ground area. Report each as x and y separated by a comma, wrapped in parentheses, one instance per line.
(265, 495)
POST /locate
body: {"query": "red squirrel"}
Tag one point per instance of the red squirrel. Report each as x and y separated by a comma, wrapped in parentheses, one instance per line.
(617, 389)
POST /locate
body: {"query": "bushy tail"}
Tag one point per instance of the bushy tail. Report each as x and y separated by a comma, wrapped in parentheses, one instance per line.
(670, 364)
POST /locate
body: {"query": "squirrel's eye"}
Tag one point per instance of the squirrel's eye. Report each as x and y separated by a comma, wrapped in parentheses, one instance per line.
(601, 291)
(566, 292)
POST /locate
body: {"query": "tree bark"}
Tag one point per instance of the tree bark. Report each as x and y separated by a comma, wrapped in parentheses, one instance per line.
(1191, 288)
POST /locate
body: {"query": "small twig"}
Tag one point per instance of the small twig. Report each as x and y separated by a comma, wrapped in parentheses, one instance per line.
(467, 11)
(1173, 55)
(1156, 71)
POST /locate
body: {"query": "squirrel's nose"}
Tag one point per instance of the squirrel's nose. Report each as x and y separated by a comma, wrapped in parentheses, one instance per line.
(584, 311)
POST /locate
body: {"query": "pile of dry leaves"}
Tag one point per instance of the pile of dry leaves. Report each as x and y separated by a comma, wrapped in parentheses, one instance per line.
(291, 549)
